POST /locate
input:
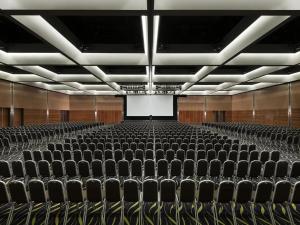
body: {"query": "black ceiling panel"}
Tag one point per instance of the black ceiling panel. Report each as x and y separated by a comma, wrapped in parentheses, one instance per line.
(67, 69)
(15, 38)
(176, 70)
(12, 70)
(104, 34)
(288, 70)
(209, 83)
(168, 83)
(284, 38)
(234, 69)
(124, 69)
(200, 34)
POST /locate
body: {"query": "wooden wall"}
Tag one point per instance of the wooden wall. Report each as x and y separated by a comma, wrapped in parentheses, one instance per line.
(295, 103)
(191, 109)
(199, 109)
(109, 109)
(242, 108)
(4, 117)
(106, 109)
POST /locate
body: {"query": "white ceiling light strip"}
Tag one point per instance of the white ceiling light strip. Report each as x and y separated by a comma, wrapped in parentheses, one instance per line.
(256, 30)
(42, 28)
(145, 33)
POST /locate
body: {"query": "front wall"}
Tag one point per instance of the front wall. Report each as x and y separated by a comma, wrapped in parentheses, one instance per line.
(271, 105)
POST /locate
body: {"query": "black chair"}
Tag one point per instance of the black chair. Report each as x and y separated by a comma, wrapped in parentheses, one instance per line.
(113, 213)
(132, 204)
(94, 202)
(168, 202)
(187, 204)
(150, 205)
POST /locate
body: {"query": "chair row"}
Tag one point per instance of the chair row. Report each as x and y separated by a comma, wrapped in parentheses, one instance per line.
(149, 169)
(154, 204)
(129, 155)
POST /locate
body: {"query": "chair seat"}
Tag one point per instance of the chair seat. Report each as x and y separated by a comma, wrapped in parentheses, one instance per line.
(243, 214)
(75, 214)
(132, 213)
(168, 213)
(262, 214)
(187, 214)
(280, 214)
(5, 210)
(205, 213)
(94, 213)
(224, 214)
(57, 214)
(38, 214)
(150, 213)
(295, 212)
(113, 214)
(20, 213)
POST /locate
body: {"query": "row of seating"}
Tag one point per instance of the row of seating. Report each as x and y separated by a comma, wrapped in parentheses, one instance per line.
(155, 204)
(149, 169)
(129, 155)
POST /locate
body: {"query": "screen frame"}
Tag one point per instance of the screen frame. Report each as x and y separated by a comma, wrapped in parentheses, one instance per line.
(173, 117)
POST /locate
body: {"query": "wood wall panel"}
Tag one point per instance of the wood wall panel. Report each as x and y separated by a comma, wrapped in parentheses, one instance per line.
(271, 105)
(82, 115)
(295, 103)
(35, 116)
(191, 117)
(5, 94)
(82, 102)
(242, 108)
(58, 101)
(54, 116)
(4, 117)
(29, 97)
(218, 103)
(110, 117)
(18, 113)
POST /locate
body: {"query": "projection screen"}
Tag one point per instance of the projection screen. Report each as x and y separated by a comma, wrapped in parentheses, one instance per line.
(145, 105)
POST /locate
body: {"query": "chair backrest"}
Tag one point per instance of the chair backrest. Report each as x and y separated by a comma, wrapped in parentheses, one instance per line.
(112, 190)
(244, 191)
(44, 168)
(226, 191)
(3, 193)
(269, 169)
(57, 168)
(37, 191)
(175, 168)
(93, 190)
(84, 168)
(56, 191)
(110, 168)
(136, 168)
(215, 168)
(296, 194)
(150, 190)
(255, 169)
(282, 191)
(30, 168)
(123, 168)
(131, 191)
(228, 168)
(188, 167)
(4, 169)
(162, 167)
(263, 192)
(70, 166)
(187, 190)
(168, 190)
(149, 167)
(281, 168)
(17, 192)
(206, 191)
(202, 166)
(74, 190)
(242, 168)
(295, 171)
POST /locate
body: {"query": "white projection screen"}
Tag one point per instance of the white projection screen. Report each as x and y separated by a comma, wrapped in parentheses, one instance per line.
(146, 105)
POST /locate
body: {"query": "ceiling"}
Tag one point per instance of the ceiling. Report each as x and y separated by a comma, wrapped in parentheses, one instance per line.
(190, 47)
